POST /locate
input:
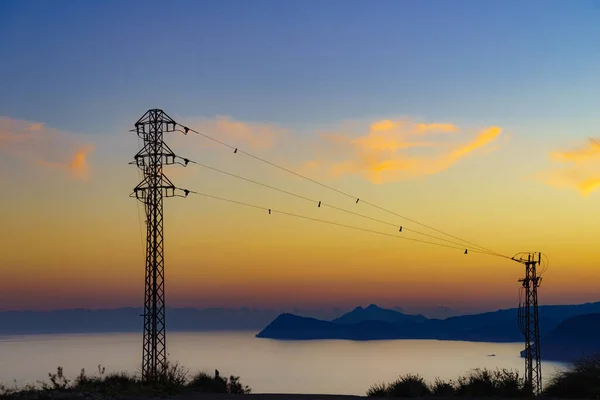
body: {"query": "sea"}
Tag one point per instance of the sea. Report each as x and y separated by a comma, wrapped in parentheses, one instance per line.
(267, 366)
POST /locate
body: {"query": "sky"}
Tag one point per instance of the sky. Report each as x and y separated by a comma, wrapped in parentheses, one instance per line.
(477, 119)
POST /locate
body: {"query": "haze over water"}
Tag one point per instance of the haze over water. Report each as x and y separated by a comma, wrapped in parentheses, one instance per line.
(267, 366)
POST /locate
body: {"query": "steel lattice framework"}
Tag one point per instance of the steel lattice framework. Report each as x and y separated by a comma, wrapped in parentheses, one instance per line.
(529, 323)
(150, 191)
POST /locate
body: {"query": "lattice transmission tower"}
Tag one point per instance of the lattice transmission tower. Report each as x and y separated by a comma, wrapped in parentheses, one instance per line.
(153, 155)
(529, 322)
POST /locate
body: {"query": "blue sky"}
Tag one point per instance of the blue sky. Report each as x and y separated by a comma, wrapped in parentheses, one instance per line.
(81, 66)
(476, 117)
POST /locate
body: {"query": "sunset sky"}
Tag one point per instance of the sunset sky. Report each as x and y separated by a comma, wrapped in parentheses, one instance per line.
(478, 118)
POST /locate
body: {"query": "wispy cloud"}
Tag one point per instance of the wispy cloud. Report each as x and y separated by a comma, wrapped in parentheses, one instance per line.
(255, 135)
(78, 165)
(591, 151)
(390, 151)
(46, 147)
(581, 168)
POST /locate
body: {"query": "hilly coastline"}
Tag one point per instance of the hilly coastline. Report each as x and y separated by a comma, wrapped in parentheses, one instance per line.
(376, 323)
(572, 339)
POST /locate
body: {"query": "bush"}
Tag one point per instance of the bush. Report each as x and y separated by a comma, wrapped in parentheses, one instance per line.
(173, 378)
(235, 387)
(581, 380)
(483, 382)
(442, 388)
(378, 390)
(409, 386)
(509, 384)
(203, 382)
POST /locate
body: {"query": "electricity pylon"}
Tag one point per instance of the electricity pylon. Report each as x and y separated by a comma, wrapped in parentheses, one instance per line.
(150, 191)
(529, 322)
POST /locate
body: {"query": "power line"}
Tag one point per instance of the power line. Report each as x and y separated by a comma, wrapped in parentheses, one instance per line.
(357, 199)
(320, 203)
(273, 211)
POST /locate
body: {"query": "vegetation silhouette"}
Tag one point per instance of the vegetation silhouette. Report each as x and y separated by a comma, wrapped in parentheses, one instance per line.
(477, 383)
(581, 380)
(175, 380)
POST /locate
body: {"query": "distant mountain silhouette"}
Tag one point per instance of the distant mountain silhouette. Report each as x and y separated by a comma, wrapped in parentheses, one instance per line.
(129, 320)
(290, 326)
(375, 313)
(359, 324)
(572, 339)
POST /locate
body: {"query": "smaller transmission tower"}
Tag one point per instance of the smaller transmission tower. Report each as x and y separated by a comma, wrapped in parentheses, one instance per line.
(529, 322)
(155, 185)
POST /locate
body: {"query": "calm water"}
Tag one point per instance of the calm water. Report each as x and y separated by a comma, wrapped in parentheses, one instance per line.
(326, 367)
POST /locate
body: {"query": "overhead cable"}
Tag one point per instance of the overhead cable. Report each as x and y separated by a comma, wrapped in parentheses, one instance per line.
(272, 211)
(323, 204)
(355, 198)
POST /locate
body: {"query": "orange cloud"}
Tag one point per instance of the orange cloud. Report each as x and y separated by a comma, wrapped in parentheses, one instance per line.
(582, 171)
(256, 135)
(484, 138)
(43, 146)
(409, 127)
(390, 151)
(590, 151)
(77, 167)
(589, 185)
